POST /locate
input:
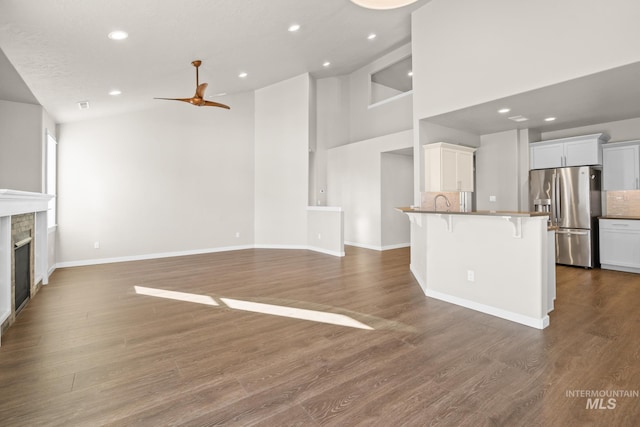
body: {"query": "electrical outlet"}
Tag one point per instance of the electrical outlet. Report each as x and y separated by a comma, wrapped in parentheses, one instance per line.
(471, 275)
(319, 236)
(492, 198)
(96, 244)
(237, 234)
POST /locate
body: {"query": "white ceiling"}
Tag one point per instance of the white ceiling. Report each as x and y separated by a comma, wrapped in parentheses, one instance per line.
(598, 98)
(62, 56)
(61, 50)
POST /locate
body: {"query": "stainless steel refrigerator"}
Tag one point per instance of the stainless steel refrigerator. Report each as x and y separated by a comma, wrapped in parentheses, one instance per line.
(572, 197)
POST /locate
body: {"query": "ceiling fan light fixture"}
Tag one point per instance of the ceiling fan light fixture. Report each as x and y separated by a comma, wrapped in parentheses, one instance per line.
(382, 4)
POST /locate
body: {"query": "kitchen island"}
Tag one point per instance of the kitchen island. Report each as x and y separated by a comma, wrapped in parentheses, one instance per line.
(499, 263)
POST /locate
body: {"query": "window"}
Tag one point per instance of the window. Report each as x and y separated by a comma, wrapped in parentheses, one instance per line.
(50, 185)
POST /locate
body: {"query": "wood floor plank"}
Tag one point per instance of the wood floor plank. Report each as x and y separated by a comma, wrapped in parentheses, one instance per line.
(89, 350)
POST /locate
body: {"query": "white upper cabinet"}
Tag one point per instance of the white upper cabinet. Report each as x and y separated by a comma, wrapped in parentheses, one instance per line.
(621, 166)
(583, 150)
(448, 167)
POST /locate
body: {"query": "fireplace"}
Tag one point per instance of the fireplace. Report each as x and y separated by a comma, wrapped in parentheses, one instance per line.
(24, 261)
(22, 285)
(22, 272)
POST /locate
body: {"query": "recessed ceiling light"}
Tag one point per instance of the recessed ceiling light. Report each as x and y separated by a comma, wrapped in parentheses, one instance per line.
(504, 110)
(518, 118)
(118, 35)
(326, 64)
(242, 75)
(83, 105)
(382, 4)
(293, 28)
(115, 92)
(371, 36)
(220, 94)
(549, 119)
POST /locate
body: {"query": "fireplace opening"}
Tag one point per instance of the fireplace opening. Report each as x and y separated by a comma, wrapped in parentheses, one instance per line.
(22, 259)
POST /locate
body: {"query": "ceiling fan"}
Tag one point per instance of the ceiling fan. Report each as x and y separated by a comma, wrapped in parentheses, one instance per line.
(198, 99)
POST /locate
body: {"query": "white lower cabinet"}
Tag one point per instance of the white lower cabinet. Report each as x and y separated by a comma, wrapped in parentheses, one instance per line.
(620, 244)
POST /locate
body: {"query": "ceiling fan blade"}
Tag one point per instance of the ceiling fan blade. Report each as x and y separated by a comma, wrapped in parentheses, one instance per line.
(198, 99)
(201, 89)
(215, 104)
(189, 100)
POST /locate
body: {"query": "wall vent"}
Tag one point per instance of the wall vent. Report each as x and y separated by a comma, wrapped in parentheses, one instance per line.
(83, 105)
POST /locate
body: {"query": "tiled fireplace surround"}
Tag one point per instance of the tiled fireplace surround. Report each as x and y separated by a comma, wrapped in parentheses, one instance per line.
(21, 213)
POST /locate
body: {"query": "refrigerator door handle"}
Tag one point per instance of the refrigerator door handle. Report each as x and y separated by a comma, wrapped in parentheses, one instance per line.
(576, 233)
(558, 200)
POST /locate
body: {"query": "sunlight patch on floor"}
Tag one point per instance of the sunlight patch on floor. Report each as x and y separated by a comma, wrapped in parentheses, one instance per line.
(296, 313)
(174, 295)
(257, 307)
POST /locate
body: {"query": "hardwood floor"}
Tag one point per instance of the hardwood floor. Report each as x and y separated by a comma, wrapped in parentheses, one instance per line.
(88, 350)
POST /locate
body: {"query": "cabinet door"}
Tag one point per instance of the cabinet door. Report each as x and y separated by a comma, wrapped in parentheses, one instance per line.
(465, 171)
(620, 247)
(546, 156)
(582, 153)
(620, 168)
(448, 171)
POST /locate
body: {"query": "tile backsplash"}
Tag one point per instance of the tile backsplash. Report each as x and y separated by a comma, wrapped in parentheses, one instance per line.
(453, 197)
(623, 203)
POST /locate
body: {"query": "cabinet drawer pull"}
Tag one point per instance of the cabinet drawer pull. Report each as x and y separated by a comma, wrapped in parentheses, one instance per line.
(620, 225)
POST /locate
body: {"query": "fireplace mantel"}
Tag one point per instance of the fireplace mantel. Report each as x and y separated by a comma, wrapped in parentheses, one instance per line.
(13, 202)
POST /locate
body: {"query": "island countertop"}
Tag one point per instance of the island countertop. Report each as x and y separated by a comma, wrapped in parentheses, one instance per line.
(485, 213)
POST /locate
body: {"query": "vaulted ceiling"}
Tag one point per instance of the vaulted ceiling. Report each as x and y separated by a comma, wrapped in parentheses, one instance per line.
(61, 49)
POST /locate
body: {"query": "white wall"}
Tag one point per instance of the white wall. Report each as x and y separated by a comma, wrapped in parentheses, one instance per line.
(367, 122)
(497, 164)
(282, 132)
(332, 98)
(354, 183)
(21, 136)
(396, 182)
(168, 180)
(345, 115)
(466, 52)
(325, 231)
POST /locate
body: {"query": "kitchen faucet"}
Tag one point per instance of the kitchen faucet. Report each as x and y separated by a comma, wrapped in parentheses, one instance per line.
(435, 202)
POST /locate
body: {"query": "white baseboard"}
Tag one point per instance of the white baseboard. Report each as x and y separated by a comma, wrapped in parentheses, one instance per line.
(149, 256)
(396, 246)
(378, 248)
(326, 251)
(498, 312)
(97, 261)
(263, 246)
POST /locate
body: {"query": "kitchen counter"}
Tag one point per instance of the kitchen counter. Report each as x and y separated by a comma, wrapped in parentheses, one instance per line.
(499, 263)
(483, 213)
(619, 217)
